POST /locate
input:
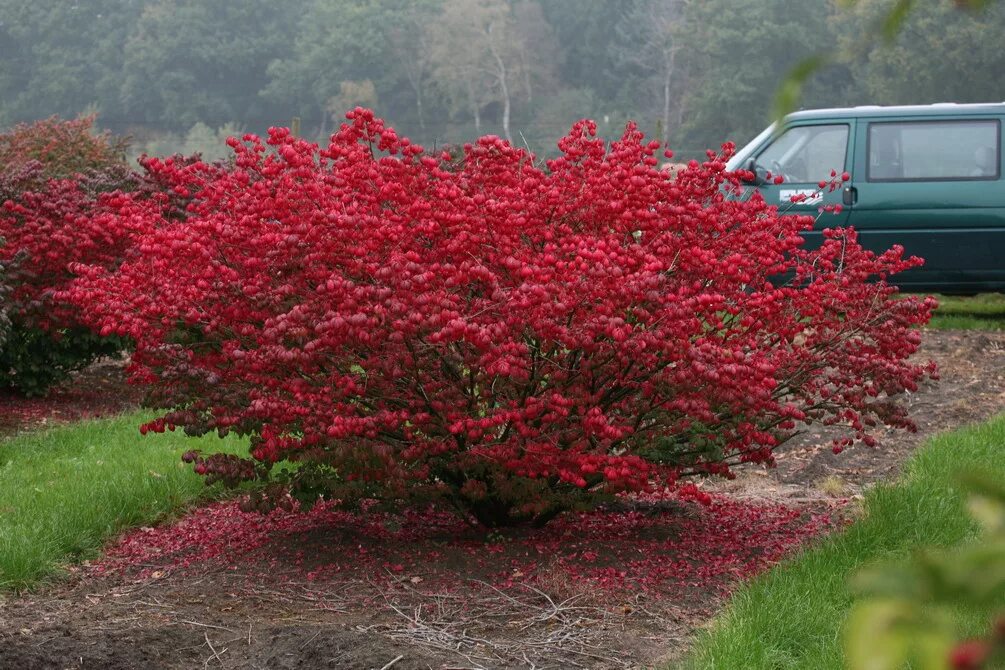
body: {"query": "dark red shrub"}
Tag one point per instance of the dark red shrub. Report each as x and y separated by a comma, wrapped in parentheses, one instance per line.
(511, 339)
(52, 175)
(60, 187)
(44, 232)
(5, 291)
(85, 220)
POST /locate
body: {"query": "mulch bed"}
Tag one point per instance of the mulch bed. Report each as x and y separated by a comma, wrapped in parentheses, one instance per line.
(610, 589)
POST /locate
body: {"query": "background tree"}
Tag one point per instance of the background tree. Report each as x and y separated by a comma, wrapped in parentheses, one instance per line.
(489, 52)
(408, 41)
(335, 42)
(190, 60)
(740, 52)
(462, 49)
(209, 143)
(652, 42)
(934, 45)
(587, 33)
(704, 72)
(535, 49)
(58, 58)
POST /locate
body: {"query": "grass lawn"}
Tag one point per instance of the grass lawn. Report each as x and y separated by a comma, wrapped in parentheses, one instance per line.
(792, 617)
(69, 489)
(980, 312)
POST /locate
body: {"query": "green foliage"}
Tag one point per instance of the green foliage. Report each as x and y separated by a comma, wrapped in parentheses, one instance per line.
(352, 41)
(593, 35)
(187, 61)
(741, 53)
(557, 113)
(791, 88)
(32, 360)
(62, 57)
(70, 489)
(209, 143)
(792, 617)
(906, 614)
(924, 47)
(907, 52)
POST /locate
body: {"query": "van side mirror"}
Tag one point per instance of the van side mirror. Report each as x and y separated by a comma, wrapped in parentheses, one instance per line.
(760, 175)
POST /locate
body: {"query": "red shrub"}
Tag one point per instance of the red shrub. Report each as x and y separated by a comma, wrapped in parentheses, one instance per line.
(52, 173)
(5, 291)
(509, 338)
(86, 219)
(59, 187)
(55, 227)
(44, 232)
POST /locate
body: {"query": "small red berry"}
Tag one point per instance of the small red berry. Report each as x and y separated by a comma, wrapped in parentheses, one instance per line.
(969, 655)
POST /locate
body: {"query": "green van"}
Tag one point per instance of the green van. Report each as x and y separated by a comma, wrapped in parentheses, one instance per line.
(926, 177)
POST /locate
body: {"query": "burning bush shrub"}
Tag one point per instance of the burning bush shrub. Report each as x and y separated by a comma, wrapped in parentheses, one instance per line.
(5, 289)
(45, 231)
(52, 173)
(60, 185)
(510, 338)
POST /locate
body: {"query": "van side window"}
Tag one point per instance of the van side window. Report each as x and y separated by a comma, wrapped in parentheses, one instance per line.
(933, 150)
(807, 154)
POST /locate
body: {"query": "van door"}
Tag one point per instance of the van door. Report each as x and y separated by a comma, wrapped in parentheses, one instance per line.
(933, 185)
(805, 154)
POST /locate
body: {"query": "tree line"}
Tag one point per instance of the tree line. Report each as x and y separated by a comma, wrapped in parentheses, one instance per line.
(181, 74)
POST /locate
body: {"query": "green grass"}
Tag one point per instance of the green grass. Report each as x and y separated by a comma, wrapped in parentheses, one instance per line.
(980, 312)
(792, 617)
(65, 491)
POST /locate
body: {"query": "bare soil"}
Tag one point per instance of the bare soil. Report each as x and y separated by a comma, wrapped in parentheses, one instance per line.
(219, 617)
(971, 389)
(171, 623)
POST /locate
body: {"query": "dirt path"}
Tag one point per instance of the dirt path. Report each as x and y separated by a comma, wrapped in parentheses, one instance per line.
(514, 602)
(971, 389)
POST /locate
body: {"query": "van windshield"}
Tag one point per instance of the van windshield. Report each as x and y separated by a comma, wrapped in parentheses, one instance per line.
(806, 154)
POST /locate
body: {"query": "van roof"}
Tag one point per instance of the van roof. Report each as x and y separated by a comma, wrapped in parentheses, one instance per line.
(938, 109)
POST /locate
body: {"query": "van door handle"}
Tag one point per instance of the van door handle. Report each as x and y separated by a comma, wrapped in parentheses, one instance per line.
(849, 196)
